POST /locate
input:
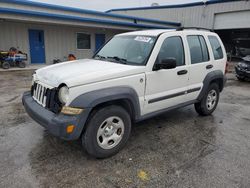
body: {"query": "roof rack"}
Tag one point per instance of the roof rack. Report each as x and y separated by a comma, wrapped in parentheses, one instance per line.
(198, 28)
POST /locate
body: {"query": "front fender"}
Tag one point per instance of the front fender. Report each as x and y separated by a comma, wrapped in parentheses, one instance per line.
(94, 98)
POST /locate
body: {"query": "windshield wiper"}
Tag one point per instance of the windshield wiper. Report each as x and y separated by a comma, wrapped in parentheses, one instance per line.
(100, 57)
(118, 59)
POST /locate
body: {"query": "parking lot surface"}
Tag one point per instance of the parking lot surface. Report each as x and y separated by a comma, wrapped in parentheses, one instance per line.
(176, 149)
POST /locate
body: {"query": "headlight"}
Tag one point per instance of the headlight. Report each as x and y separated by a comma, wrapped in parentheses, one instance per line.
(243, 65)
(63, 94)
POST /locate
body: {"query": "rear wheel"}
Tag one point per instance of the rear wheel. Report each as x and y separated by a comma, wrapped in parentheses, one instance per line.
(22, 64)
(209, 102)
(107, 132)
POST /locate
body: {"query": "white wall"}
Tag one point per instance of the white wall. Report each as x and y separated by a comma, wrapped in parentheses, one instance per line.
(237, 19)
(59, 40)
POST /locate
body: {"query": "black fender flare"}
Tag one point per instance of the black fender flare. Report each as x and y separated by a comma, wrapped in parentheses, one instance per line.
(211, 76)
(93, 98)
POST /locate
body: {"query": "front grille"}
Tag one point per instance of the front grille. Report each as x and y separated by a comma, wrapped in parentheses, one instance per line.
(40, 94)
(46, 96)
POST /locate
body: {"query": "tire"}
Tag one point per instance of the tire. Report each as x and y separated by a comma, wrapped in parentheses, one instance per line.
(21, 64)
(5, 65)
(107, 132)
(209, 102)
(241, 79)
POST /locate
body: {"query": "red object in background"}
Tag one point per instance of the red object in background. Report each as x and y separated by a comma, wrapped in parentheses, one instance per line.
(71, 57)
(12, 51)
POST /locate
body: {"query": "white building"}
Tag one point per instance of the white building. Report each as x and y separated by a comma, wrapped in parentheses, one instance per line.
(47, 32)
(229, 18)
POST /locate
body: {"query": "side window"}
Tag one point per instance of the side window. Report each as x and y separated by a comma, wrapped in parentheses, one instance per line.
(172, 47)
(216, 47)
(198, 49)
(205, 53)
(82, 41)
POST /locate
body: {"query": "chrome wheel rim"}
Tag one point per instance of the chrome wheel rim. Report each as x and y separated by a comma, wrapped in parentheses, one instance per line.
(211, 99)
(110, 132)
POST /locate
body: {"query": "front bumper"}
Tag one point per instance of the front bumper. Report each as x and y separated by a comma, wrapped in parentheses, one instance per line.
(242, 73)
(56, 124)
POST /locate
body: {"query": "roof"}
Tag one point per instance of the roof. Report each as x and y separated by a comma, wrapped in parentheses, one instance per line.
(75, 18)
(201, 3)
(151, 32)
(156, 32)
(78, 10)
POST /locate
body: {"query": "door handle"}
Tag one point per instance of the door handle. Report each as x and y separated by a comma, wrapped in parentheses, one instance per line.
(209, 66)
(182, 72)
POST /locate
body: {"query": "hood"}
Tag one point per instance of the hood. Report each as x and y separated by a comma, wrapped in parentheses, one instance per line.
(84, 71)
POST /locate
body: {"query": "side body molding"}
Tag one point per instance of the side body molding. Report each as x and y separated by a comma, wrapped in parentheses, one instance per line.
(94, 98)
(212, 76)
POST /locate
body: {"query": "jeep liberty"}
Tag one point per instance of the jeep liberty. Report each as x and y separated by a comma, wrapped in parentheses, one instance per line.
(134, 76)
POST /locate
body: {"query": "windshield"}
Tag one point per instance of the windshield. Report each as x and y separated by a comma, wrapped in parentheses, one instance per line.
(133, 50)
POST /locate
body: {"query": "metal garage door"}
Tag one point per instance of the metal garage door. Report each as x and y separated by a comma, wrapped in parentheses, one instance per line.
(232, 20)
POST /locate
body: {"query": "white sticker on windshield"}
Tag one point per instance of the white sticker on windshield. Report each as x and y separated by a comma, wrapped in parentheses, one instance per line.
(143, 39)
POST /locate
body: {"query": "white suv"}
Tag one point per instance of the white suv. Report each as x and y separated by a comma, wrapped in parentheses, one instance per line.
(135, 76)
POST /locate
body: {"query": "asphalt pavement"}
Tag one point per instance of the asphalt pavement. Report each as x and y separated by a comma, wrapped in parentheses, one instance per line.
(176, 149)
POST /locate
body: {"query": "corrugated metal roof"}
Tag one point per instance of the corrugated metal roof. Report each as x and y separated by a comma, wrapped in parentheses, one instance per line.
(98, 13)
(76, 18)
(174, 6)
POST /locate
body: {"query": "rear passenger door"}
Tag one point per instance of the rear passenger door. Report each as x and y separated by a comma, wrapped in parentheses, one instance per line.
(200, 64)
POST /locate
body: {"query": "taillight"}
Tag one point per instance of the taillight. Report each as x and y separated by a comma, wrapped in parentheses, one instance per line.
(226, 67)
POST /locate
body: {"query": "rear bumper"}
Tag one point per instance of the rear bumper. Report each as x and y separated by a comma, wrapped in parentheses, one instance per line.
(56, 124)
(241, 73)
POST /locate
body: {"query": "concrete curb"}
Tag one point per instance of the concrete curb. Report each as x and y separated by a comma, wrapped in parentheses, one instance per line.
(29, 67)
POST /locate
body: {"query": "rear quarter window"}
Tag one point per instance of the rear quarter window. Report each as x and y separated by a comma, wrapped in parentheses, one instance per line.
(216, 47)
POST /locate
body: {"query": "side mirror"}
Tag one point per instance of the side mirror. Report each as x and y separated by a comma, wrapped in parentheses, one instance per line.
(169, 63)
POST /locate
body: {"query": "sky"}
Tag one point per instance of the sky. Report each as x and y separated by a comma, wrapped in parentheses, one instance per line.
(103, 5)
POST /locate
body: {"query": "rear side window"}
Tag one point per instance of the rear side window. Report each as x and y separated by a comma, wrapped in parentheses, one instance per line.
(204, 49)
(198, 49)
(172, 47)
(216, 47)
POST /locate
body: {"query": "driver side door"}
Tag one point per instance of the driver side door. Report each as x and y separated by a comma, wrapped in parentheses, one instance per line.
(167, 87)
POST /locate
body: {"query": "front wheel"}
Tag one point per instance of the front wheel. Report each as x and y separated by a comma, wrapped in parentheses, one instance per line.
(209, 101)
(107, 132)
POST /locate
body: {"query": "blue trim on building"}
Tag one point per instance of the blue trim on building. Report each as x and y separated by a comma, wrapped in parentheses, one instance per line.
(78, 10)
(174, 6)
(76, 18)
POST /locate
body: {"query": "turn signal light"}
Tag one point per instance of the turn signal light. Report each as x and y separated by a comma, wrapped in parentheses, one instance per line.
(71, 111)
(70, 128)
